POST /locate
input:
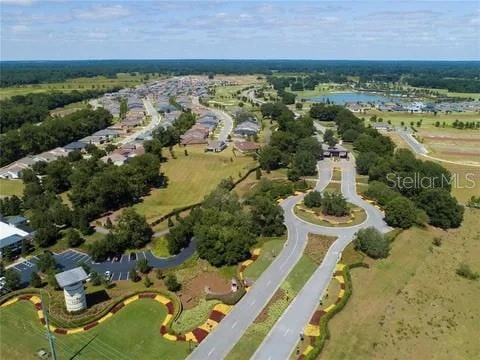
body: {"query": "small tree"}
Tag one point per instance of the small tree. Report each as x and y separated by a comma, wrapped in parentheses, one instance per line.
(147, 282)
(133, 275)
(172, 283)
(108, 223)
(73, 238)
(12, 279)
(35, 280)
(313, 199)
(52, 280)
(258, 174)
(372, 243)
(170, 222)
(95, 278)
(159, 274)
(400, 212)
(46, 262)
(142, 266)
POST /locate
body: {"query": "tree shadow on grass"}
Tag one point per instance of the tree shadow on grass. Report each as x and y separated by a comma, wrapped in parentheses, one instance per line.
(97, 297)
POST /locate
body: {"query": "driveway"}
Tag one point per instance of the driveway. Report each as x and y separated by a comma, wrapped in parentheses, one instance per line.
(411, 141)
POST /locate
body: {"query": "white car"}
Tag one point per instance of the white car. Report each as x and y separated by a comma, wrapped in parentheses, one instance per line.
(108, 275)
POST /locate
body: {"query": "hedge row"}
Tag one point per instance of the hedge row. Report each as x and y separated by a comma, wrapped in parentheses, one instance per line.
(323, 323)
(91, 318)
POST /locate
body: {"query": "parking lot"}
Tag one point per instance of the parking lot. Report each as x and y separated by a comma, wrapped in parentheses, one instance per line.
(119, 267)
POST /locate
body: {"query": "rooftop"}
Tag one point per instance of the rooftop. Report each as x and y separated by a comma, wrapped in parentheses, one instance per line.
(71, 277)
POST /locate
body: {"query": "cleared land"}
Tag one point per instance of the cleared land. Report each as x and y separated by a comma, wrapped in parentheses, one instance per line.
(11, 187)
(192, 177)
(412, 304)
(98, 82)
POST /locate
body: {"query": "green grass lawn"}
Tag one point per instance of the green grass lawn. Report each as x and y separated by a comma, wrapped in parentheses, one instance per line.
(11, 187)
(132, 333)
(359, 216)
(159, 247)
(270, 249)
(428, 119)
(257, 331)
(192, 177)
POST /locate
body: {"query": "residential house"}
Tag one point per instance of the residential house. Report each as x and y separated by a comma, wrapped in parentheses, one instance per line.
(246, 147)
(76, 145)
(247, 128)
(216, 146)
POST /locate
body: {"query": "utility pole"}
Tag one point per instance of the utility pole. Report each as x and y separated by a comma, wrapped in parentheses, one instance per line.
(49, 335)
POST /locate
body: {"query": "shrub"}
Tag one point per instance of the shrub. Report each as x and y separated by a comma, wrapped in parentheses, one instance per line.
(142, 266)
(400, 212)
(172, 283)
(95, 278)
(147, 282)
(372, 242)
(437, 241)
(159, 274)
(465, 271)
(334, 204)
(313, 199)
(35, 280)
(73, 238)
(134, 275)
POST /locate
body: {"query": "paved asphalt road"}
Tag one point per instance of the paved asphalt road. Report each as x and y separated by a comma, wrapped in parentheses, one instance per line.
(231, 328)
(283, 337)
(119, 269)
(227, 124)
(412, 142)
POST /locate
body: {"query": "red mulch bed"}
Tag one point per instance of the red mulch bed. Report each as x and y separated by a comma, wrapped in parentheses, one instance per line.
(199, 334)
(216, 315)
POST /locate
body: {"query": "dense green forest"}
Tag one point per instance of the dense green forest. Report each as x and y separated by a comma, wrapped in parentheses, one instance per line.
(56, 131)
(33, 108)
(430, 73)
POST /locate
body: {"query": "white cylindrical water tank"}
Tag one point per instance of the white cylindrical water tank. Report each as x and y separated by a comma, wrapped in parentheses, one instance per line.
(75, 297)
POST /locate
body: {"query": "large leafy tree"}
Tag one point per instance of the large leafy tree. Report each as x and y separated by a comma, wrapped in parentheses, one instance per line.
(442, 208)
(372, 242)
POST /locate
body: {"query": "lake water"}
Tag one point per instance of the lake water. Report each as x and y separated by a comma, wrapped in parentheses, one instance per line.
(351, 97)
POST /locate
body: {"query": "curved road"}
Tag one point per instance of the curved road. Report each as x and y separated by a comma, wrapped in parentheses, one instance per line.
(283, 337)
(221, 340)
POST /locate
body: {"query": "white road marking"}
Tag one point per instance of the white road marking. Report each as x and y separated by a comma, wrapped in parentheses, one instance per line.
(253, 302)
(128, 275)
(269, 282)
(286, 332)
(210, 352)
(234, 324)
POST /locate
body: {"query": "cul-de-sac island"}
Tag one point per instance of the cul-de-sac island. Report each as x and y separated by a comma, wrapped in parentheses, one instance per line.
(238, 209)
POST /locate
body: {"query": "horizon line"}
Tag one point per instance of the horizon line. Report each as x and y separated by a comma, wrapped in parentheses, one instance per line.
(239, 59)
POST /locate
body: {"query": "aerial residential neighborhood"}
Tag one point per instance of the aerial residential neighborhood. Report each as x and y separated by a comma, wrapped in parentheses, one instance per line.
(239, 180)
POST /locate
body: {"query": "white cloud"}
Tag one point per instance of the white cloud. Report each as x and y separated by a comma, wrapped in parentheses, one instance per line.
(19, 28)
(103, 12)
(16, 2)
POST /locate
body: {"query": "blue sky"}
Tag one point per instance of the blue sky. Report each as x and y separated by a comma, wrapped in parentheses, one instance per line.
(393, 30)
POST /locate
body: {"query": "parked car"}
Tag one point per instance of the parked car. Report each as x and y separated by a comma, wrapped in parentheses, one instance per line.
(108, 275)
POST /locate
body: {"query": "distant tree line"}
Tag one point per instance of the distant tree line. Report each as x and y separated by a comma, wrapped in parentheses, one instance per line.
(33, 108)
(55, 131)
(437, 74)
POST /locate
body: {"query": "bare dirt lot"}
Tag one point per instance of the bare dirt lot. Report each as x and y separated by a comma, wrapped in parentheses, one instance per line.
(193, 290)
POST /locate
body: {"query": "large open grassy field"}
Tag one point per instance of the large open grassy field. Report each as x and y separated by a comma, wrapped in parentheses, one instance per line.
(192, 177)
(428, 119)
(132, 333)
(413, 305)
(98, 82)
